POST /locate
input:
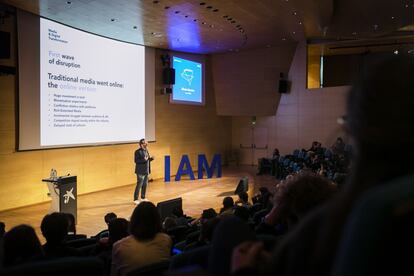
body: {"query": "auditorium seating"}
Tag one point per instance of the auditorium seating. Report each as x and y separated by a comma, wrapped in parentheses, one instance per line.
(69, 266)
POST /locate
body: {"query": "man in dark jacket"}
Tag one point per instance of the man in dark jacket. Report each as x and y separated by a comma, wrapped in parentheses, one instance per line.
(142, 170)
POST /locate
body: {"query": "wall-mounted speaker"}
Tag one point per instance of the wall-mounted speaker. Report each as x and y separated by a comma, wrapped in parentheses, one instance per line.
(4, 45)
(168, 76)
(283, 86)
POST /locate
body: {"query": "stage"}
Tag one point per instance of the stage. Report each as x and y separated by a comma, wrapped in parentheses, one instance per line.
(197, 195)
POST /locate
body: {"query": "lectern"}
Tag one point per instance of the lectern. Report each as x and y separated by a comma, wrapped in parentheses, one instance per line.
(63, 192)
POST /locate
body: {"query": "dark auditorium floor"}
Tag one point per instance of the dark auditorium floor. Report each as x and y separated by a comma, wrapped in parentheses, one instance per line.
(197, 195)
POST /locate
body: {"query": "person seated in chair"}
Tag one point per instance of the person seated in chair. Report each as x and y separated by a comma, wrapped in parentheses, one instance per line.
(268, 163)
(145, 245)
(21, 245)
(54, 228)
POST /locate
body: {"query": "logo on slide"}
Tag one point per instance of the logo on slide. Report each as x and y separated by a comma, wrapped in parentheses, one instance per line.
(68, 195)
(188, 75)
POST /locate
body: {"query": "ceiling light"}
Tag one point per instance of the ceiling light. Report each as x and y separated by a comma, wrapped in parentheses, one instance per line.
(300, 22)
(396, 52)
(293, 32)
(295, 13)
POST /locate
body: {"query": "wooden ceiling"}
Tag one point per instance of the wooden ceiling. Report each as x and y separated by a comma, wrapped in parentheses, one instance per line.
(211, 26)
(205, 26)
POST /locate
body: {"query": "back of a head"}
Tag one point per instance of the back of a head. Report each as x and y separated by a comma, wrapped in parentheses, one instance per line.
(109, 217)
(380, 118)
(54, 228)
(305, 191)
(118, 229)
(209, 214)
(20, 245)
(145, 221)
(228, 202)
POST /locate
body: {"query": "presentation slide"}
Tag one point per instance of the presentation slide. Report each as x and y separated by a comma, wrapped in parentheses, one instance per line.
(92, 89)
(188, 85)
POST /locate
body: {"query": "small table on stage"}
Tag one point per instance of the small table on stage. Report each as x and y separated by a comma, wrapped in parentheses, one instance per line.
(63, 192)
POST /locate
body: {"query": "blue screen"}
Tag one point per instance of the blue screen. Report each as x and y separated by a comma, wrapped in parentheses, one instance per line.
(188, 81)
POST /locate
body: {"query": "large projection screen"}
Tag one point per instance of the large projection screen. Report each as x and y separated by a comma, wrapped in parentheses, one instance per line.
(80, 89)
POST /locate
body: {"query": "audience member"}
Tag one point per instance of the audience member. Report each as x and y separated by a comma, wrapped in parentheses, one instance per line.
(105, 233)
(145, 245)
(206, 233)
(228, 206)
(168, 224)
(268, 163)
(110, 217)
(297, 196)
(338, 147)
(21, 245)
(243, 200)
(263, 198)
(180, 218)
(54, 228)
(118, 229)
(242, 212)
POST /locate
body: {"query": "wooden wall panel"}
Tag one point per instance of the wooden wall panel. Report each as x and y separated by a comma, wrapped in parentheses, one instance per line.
(246, 82)
(302, 115)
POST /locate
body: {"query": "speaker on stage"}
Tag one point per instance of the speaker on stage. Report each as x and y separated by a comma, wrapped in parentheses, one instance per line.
(165, 208)
(243, 186)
